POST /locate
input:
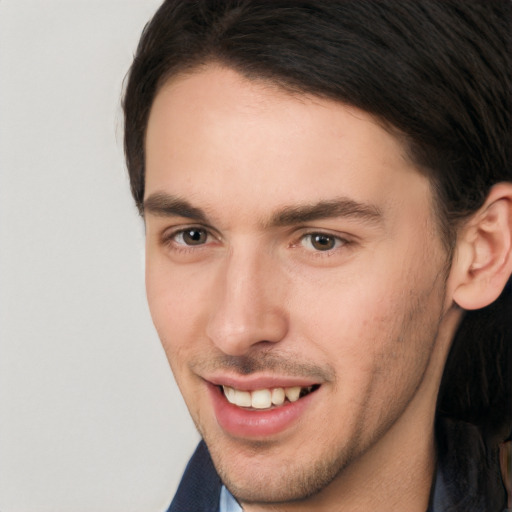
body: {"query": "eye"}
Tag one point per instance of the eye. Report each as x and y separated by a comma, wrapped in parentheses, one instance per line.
(321, 242)
(191, 236)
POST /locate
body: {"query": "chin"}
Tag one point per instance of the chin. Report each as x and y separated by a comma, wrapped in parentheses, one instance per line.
(253, 477)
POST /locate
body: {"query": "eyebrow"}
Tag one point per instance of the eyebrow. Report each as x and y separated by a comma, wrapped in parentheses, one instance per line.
(339, 207)
(161, 204)
(165, 205)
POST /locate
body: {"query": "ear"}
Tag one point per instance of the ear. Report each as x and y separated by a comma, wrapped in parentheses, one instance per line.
(483, 262)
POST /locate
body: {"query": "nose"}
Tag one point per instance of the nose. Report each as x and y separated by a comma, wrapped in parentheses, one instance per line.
(249, 308)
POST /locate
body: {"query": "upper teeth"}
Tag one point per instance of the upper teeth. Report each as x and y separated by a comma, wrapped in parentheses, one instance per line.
(262, 398)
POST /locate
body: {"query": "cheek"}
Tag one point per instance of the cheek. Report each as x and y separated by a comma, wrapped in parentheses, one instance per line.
(375, 331)
(177, 302)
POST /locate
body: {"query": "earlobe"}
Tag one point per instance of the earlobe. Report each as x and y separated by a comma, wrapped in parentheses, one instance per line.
(484, 262)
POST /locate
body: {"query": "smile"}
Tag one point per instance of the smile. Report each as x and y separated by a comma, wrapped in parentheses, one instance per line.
(266, 398)
(263, 408)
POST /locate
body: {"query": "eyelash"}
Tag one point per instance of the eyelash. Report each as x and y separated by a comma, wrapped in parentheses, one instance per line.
(338, 240)
(169, 240)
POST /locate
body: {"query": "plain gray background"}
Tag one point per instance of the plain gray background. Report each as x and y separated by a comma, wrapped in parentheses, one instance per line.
(90, 416)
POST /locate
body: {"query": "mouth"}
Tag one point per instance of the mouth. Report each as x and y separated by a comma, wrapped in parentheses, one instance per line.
(261, 407)
(267, 398)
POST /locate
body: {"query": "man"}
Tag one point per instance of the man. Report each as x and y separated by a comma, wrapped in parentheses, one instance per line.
(327, 193)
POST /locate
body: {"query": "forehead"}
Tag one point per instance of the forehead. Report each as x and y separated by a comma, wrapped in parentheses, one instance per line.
(219, 139)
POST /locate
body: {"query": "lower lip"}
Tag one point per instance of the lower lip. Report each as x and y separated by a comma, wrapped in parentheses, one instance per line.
(255, 423)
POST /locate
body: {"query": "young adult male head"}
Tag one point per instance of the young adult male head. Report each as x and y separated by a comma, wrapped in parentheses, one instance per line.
(326, 188)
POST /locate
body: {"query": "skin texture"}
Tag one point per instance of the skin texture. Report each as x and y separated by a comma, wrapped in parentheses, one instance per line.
(251, 295)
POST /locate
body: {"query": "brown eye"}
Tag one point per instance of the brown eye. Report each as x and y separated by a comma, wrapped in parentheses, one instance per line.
(320, 242)
(192, 236)
(323, 242)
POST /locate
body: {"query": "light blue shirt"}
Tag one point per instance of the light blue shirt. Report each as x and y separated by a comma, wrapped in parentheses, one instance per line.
(227, 502)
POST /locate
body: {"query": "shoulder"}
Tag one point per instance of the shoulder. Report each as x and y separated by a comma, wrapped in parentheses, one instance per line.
(200, 486)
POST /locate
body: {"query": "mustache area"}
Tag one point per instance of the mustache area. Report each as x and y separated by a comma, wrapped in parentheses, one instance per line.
(289, 365)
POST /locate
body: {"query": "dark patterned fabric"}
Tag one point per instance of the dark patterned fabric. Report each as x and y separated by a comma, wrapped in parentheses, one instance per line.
(199, 490)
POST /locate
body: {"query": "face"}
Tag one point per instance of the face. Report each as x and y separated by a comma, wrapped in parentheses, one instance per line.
(296, 278)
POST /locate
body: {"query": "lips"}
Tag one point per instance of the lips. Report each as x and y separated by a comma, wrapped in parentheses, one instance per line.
(260, 408)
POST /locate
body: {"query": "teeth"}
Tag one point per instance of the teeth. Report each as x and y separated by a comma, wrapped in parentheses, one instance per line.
(292, 393)
(264, 398)
(278, 396)
(230, 394)
(243, 398)
(261, 399)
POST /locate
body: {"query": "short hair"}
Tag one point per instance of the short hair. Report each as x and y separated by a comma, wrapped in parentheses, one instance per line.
(436, 73)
